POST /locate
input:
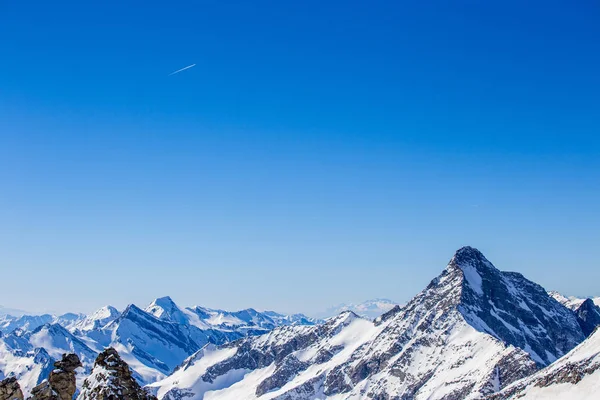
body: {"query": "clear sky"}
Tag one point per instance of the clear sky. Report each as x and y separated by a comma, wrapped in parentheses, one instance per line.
(318, 152)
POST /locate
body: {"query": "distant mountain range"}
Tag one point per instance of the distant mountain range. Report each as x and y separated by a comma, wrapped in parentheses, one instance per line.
(370, 309)
(474, 332)
(153, 340)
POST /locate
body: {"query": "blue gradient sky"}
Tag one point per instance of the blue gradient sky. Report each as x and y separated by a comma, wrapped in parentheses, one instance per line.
(317, 153)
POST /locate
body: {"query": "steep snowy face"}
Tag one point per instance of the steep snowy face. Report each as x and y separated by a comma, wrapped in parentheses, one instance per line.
(97, 320)
(574, 376)
(514, 309)
(164, 308)
(470, 333)
(149, 344)
(57, 341)
(20, 360)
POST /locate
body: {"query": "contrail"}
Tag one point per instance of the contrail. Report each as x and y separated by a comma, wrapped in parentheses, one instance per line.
(182, 69)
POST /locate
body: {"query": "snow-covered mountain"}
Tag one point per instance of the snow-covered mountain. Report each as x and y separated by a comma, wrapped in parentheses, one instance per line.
(153, 341)
(586, 310)
(248, 320)
(9, 323)
(370, 309)
(99, 319)
(572, 302)
(474, 332)
(574, 376)
(471, 332)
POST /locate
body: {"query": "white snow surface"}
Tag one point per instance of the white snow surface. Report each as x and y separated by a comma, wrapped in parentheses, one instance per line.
(550, 383)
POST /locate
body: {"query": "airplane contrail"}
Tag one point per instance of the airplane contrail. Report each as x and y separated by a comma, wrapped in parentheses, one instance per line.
(182, 69)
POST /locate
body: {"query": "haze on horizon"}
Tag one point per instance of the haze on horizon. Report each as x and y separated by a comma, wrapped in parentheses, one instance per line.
(315, 154)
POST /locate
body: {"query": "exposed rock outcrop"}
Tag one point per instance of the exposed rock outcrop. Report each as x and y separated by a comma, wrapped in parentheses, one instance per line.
(588, 316)
(111, 379)
(10, 389)
(61, 384)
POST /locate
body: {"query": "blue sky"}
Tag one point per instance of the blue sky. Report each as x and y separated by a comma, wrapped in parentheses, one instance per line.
(316, 154)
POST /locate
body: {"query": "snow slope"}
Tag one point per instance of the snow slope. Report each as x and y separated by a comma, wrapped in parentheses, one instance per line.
(574, 376)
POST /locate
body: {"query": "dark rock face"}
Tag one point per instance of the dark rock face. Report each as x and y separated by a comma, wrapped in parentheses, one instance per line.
(111, 379)
(285, 371)
(62, 379)
(10, 389)
(249, 356)
(588, 316)
(505, 303)
(61, 384)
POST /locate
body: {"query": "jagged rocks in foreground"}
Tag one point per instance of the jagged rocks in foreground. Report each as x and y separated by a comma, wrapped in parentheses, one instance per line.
(575, 376)
(111, 379)
(61, 384)
(10, 389)
(470, 333)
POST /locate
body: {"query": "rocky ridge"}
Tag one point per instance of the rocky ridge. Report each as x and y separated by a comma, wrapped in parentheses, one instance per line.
(10, 389)
(61, 384)
(111, 379)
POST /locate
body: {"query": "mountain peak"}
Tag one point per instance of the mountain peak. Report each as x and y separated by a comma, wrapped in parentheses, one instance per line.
(165, 308)
(164, 302)
(105, 312)
(470, 256)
